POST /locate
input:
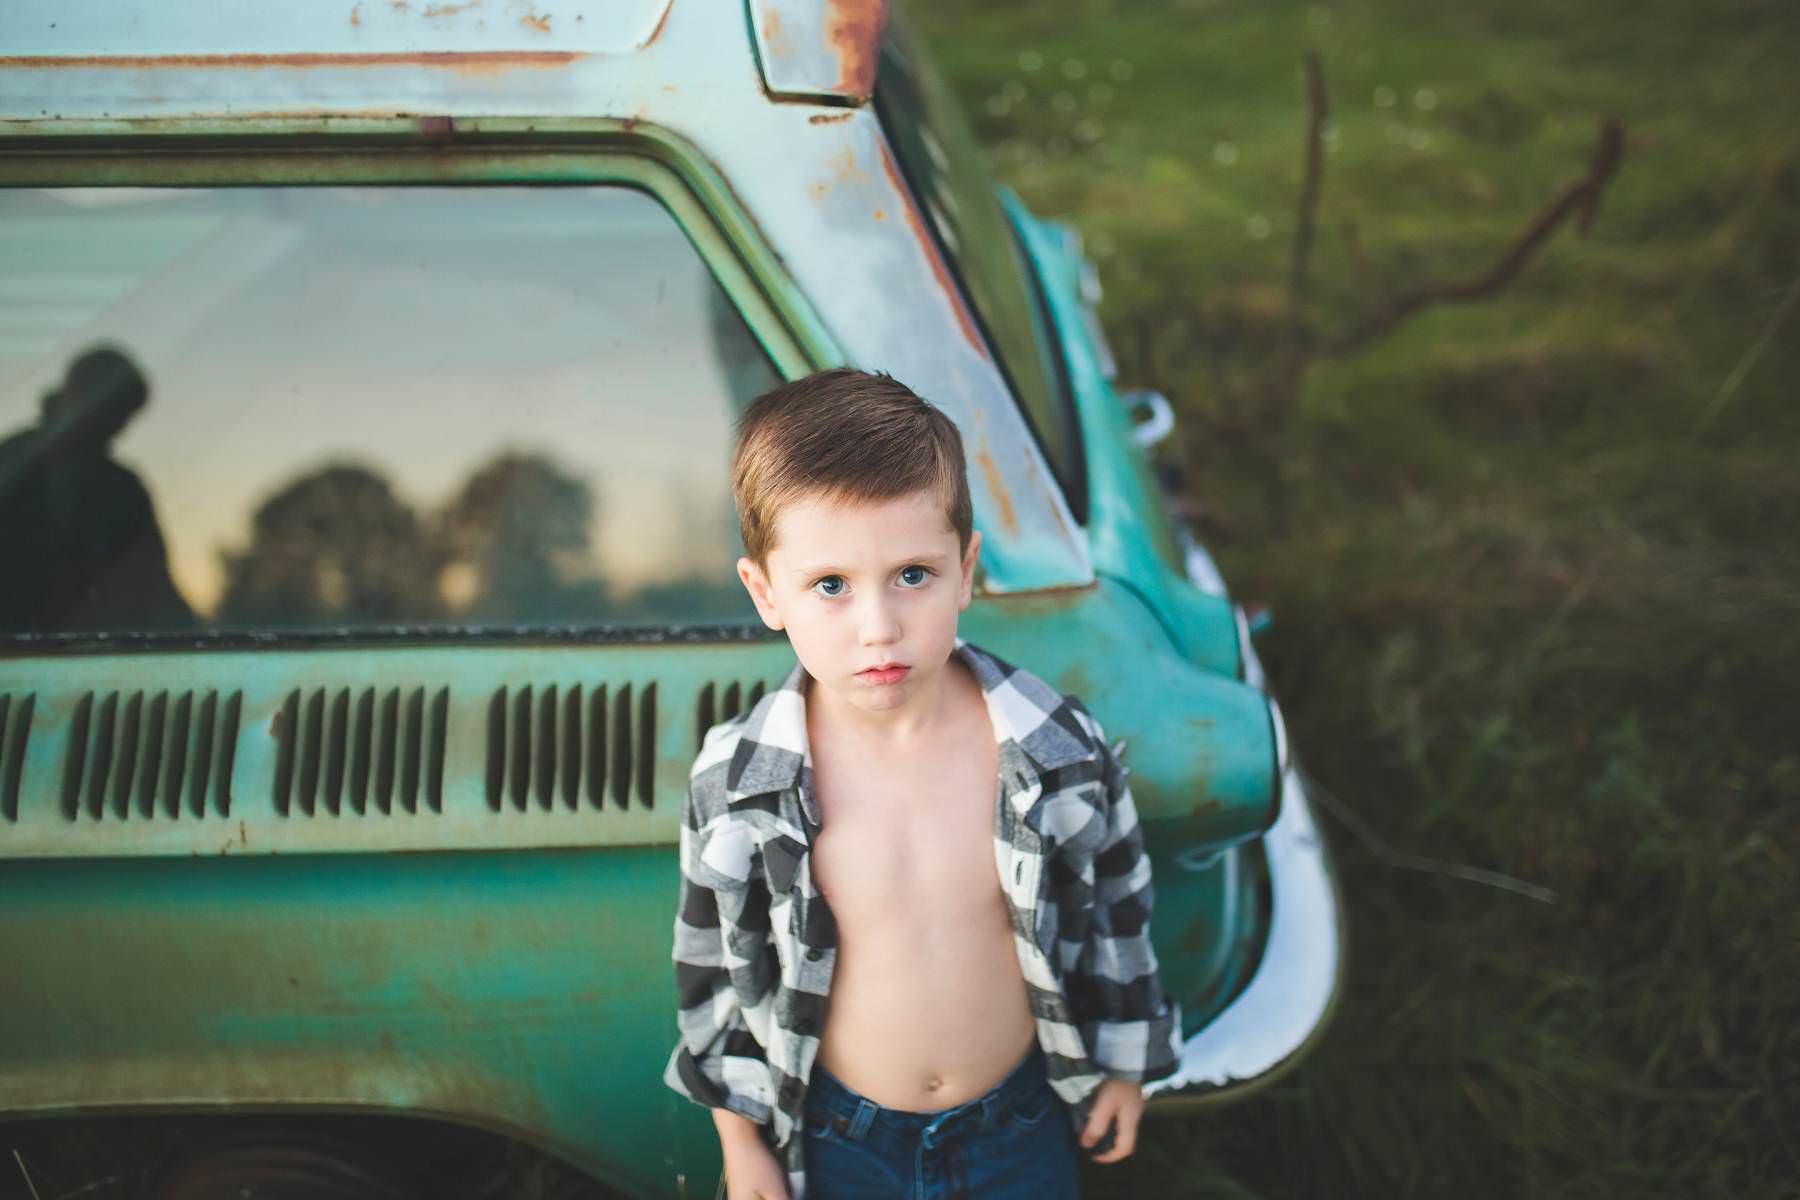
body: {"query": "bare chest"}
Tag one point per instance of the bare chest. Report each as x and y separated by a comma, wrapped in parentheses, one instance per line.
(908, 842)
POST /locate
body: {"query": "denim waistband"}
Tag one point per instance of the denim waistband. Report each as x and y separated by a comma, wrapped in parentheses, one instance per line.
(853, 1114)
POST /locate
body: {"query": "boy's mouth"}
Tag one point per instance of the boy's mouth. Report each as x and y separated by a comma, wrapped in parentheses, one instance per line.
(884, 674)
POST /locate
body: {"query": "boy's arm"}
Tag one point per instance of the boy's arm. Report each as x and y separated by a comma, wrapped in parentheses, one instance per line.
(1131, 1027)
(719, 1062)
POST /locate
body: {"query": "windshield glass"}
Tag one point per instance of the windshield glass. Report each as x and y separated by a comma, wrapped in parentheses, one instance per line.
(288, 408)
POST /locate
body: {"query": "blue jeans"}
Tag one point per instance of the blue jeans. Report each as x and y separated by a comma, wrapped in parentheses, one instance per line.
(1014, 1143)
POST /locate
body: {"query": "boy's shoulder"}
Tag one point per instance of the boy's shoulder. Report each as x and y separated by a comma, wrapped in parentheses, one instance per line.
(764, 749)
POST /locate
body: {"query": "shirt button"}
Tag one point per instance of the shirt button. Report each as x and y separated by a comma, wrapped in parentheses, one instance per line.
(814, 954)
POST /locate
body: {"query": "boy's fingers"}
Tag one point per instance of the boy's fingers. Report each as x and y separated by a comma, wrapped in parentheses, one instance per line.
(1125, 1140)
(1098, 1120)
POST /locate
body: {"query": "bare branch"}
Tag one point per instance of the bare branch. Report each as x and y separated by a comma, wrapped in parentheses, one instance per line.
(1580, 196)
(1308, 217)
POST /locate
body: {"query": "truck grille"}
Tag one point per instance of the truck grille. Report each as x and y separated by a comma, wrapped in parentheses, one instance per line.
(374, 754)
(721, 703)
(567, 748)
(149, 755)
(15, 728)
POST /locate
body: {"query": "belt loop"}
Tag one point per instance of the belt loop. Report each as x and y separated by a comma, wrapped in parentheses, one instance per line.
(864, 1117)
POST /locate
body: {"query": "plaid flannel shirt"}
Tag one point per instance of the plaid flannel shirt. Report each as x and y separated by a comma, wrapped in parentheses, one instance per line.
(755, 943)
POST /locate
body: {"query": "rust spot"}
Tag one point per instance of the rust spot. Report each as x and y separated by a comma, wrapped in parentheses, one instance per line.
(660, 22)
(532, 20)
(984, 458)
(449, 10)
(831, 118)
(460, 61)
(356, 17)
(881, 214)
(292, 982)
(844, 168)
(853, 32)
(1051, 498)
(1205, 810)
(772, 32)
(928, 244)
(243, 835)
(400, 6)
(1197, 935)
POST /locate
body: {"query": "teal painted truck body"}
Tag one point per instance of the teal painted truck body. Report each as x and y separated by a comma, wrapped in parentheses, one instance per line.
(419, 862)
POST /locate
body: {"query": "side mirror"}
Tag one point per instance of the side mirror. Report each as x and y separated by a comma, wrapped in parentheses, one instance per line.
(1152, 417)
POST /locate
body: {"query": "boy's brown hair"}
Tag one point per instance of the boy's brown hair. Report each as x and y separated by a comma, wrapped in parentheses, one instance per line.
(848, 435)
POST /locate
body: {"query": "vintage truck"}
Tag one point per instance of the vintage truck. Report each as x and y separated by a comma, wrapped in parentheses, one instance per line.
(367, 376)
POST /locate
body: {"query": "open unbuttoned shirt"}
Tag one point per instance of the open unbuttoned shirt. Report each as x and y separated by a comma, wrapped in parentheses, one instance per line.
(755, 943)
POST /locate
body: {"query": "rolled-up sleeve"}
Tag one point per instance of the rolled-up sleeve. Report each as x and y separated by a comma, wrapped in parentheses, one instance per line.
(1129, 1025)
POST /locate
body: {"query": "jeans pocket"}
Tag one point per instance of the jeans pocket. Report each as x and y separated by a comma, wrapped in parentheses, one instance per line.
(1031, 1111)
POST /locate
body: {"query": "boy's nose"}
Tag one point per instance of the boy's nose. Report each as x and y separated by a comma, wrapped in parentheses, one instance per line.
(878, 626)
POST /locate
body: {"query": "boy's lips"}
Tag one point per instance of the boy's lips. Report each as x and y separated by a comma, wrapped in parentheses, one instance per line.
(885, 673)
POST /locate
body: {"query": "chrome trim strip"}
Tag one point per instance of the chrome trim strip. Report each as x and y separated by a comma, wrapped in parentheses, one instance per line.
(1284, 1008)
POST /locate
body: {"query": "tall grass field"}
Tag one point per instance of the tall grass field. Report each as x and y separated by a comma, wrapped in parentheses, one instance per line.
(1533, 558)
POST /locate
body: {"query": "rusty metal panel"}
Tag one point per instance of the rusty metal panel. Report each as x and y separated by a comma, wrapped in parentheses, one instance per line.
(819, 48)
(289, 33)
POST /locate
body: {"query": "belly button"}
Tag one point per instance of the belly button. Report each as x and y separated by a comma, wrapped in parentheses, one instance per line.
(932, 1085)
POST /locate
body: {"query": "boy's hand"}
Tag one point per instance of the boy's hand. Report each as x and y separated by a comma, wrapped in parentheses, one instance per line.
(1118, 1104)
(751, 1172)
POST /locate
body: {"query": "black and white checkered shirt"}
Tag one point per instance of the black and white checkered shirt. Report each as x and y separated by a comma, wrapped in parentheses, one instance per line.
(755, 943)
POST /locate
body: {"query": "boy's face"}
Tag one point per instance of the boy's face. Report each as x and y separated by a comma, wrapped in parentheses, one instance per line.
(868, 593)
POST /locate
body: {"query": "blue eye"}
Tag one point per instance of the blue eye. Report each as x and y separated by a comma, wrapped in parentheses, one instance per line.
(831, 585)
(913, 577)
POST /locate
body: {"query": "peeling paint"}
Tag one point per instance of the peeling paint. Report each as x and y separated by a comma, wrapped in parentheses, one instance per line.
(460, 61)
(656, 30)
(831, 118)
(772, 31)
(853, 33)
(996, 483)
(433, 11)
(537, 21)
(928, 244)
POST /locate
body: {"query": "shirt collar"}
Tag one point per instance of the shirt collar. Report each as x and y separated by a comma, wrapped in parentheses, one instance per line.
(773, 753)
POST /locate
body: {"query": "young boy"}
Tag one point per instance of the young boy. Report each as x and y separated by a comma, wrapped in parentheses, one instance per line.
(913, 948)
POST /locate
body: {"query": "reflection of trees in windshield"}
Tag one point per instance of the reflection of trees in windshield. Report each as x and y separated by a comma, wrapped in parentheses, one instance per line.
(79, 544)
(336, 546)
(517, 533)
(333, 547)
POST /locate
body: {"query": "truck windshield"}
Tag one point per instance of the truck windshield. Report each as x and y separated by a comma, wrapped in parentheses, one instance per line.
(363, 408)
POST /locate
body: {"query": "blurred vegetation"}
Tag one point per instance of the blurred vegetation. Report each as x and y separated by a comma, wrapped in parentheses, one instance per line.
(1534, 561)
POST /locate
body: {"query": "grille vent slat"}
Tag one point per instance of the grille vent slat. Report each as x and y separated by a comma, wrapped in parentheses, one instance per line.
(566, 748)
(361, 755)
(133, 756)
(718, 704)
(15, 731)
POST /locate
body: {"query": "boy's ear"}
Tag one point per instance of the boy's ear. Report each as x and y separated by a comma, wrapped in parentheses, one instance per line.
(757, 584)
(970, 557)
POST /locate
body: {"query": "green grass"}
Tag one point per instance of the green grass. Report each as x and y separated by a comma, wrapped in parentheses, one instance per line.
(1535, 611)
